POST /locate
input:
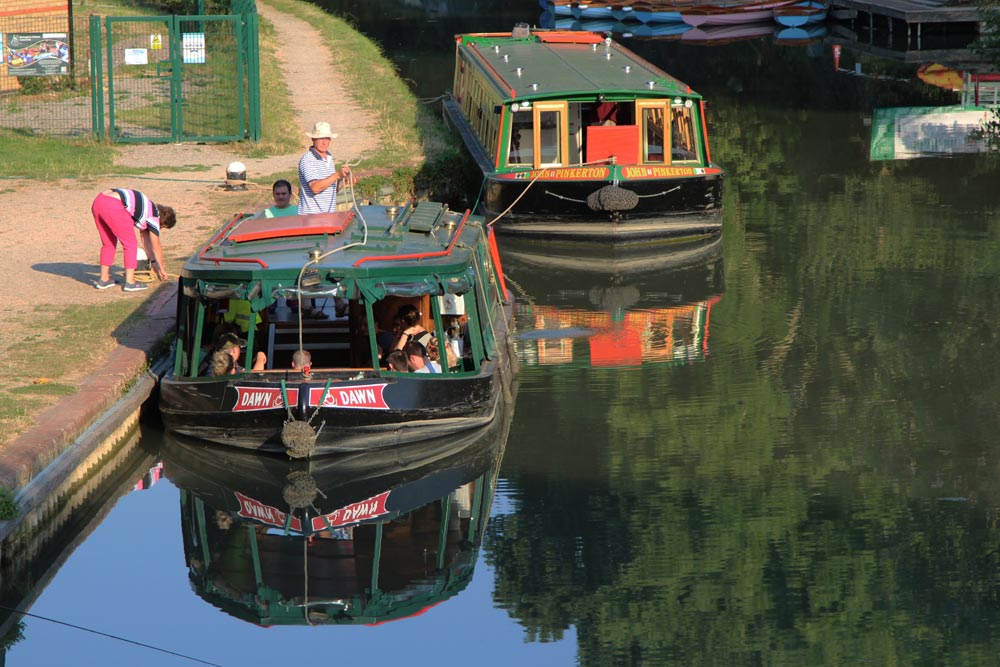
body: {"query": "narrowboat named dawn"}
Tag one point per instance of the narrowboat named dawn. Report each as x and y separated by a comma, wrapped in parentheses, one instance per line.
(359, 268)
(579, 138)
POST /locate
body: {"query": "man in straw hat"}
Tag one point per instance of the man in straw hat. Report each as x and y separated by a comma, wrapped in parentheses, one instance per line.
(319, 179)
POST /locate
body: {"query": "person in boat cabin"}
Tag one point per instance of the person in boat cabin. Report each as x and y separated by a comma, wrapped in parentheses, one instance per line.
(222, 364)
(397, 361)
(412, 329)
(302, 361)
(419, 363)
(386, 340)
(281, 192)
(118, 213)
(239, 313)
(230, 345)
(319, 178)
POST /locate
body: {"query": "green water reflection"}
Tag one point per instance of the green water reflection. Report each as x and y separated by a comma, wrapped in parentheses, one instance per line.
(820, 485)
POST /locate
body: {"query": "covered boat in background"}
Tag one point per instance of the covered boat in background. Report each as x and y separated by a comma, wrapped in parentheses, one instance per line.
(361, 267)
(579, 138)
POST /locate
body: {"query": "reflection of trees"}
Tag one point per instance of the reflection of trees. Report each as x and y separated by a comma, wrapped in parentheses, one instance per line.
(822, 490)
(989, 133)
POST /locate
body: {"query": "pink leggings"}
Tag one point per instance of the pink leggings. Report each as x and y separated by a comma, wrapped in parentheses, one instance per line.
(114, 224)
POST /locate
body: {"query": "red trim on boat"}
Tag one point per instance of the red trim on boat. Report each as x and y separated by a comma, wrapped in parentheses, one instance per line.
(257, 229)
(570, 37)
(704, 131)
(495, 253)
(420, 255)
(221, 235)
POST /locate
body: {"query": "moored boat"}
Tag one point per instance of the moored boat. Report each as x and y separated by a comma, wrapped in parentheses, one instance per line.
(801, 13)
(361, 267)
(579, 138)
(732, 14)
(717, 35)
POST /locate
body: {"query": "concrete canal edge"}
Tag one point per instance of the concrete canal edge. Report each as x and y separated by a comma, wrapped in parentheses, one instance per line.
(74, 435)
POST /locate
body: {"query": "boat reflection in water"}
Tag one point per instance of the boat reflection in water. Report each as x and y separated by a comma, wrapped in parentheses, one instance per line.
(613, 307)
(354, 539)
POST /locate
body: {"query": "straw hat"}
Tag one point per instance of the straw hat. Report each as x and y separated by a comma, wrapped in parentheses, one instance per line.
(321, 130)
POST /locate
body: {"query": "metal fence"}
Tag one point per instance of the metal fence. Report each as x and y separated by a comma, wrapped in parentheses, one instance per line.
(134, 78)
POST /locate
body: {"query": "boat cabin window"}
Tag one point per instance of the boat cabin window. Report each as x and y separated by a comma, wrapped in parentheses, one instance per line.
(340, 334)
(522, 138)
(653, 134)
(433, 313)
(683, 146)
(680, 136)
(551, 134)
(538, 136)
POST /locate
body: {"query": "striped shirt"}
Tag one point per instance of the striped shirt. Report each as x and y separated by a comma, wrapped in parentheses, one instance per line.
(312, 167)
(141, 208)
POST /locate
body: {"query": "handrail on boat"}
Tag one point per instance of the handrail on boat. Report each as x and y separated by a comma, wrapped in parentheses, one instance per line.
(222, 234)
(421, 255)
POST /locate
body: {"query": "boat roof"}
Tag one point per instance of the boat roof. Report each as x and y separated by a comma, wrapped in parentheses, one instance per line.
(424, 238)
(559, 64)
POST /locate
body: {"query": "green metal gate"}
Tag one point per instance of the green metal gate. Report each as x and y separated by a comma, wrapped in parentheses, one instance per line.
(175, 78)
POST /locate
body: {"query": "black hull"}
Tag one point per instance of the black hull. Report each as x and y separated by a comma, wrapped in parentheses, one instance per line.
(667, 209)
(417, 409)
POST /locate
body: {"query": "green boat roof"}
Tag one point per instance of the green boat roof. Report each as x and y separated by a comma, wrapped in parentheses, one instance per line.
(423, 239)
(563, 64)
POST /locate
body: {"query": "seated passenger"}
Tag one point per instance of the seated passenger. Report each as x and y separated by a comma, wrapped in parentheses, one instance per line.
(240, 314)
(386, 340)
(418, 362)
(302, 361)
(282, 193)
(222, 364)
(435, 355)
(413, 331)
(231, 346)
(396, 361)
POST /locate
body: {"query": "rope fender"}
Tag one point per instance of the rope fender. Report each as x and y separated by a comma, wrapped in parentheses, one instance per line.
(612, 198)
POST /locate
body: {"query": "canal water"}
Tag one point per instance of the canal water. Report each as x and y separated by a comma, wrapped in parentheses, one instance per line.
(777, 449)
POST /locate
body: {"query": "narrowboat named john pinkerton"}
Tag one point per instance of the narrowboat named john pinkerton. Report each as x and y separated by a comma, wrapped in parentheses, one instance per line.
(579, 138)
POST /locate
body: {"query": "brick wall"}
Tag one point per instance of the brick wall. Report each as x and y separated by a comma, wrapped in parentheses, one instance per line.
(29, 16)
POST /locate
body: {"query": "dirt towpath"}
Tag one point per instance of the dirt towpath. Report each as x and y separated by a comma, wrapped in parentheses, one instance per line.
(49, 244)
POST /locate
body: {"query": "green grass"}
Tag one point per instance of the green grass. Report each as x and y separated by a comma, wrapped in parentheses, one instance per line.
(49, 158)
(56, 339)
(8, 509)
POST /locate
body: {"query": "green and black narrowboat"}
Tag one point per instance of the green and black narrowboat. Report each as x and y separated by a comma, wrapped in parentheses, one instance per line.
(357, 268)
(579, 138)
